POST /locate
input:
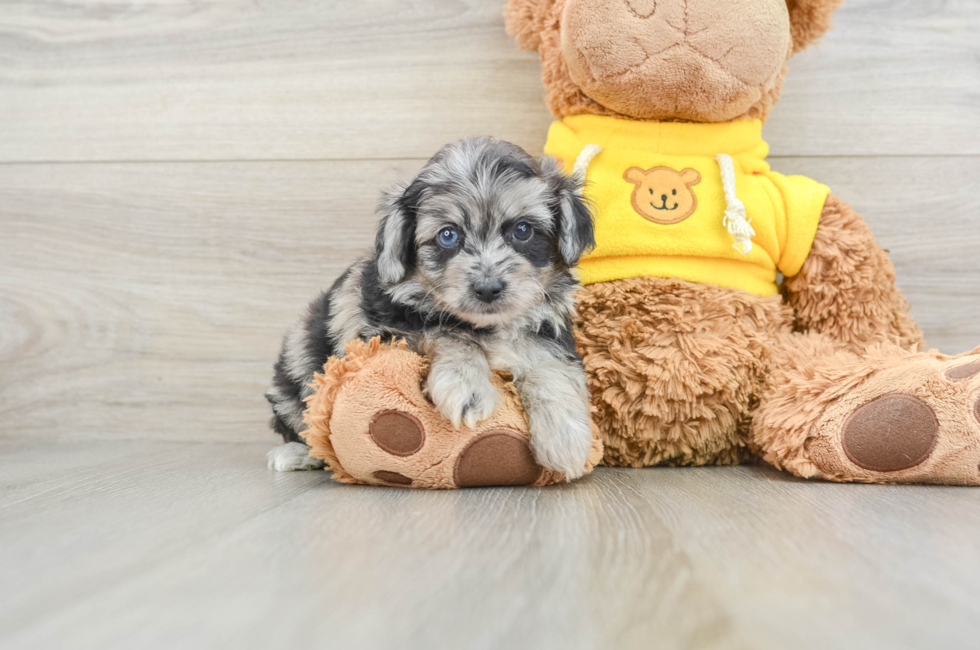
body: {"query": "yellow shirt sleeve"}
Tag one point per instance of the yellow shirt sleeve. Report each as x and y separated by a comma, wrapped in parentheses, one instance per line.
(804, 200)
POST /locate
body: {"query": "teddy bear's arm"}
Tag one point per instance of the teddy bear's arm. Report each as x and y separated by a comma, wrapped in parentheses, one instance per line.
(846, 288)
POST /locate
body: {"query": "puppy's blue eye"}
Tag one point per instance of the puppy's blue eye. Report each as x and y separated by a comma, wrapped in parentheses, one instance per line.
(523, 231)
(448, 237)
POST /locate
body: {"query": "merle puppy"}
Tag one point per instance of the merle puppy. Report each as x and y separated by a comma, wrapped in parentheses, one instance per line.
(472, 265)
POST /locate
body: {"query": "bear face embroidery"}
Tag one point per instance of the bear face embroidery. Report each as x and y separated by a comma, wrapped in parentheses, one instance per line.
(664, 195)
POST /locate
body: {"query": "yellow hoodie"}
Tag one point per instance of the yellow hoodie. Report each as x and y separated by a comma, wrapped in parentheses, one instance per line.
(661, 206)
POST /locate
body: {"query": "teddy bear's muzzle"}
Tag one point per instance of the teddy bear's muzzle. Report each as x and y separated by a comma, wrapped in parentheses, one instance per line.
(702, 60)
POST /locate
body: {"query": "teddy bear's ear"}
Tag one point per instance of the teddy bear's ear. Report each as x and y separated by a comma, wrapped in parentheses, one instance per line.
(690, 176)
(809, 20)
(524, 20)
(634, 175)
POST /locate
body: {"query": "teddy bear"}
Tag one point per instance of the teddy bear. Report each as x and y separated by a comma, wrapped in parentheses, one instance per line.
(729, 311)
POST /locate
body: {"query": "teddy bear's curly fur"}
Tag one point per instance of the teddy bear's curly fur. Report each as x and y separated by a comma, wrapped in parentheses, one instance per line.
(828, 379)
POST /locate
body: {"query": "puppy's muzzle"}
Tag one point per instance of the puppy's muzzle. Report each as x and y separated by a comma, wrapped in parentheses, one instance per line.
(488, 290)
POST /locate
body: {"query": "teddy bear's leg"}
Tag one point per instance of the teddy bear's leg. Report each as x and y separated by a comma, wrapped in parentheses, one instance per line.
(674, 368)
(887, 416)
(846, 289)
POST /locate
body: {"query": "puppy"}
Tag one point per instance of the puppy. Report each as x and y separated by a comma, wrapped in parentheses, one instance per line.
(472, 266)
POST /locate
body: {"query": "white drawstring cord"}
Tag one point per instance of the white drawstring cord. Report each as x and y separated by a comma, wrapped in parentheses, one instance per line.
(735, 218)
(588, 152)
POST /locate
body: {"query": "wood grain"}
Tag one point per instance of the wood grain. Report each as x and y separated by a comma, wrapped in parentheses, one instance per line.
(83, 80)
(490, 568)
(147, 544)
(895, 78)
(149, 300)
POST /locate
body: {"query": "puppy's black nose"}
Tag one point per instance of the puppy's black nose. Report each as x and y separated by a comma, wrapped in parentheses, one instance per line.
(488, 290)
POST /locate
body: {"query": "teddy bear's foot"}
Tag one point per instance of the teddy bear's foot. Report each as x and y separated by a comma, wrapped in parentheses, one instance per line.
(371, 422)
(910, 420)
(495, 457)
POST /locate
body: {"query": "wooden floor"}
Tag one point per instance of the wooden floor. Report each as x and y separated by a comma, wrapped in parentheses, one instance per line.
(147, 544)
(178, 178)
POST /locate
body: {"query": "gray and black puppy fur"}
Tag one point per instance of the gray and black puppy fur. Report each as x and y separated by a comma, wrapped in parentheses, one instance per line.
(473, 266)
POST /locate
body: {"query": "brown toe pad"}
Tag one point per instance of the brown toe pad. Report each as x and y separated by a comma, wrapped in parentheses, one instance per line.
(891, 433)
(497, 457)
(964, 372)
(398, 433)
(392, 477)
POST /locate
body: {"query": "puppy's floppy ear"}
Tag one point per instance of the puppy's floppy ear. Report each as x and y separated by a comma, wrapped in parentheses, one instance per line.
(395, 241)
(573, 217)
(809, 20)
(525, 21)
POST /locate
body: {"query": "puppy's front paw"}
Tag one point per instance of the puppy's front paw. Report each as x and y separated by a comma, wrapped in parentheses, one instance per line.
(561, 439)
(462, 396)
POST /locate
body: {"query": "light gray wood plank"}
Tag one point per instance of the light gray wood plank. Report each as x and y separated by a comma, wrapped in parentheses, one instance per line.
(79, 518)
(201, 546)
(147, 301)
(389, 79)
(139, 544)
(892, 78)
(260, 80)
(813, 564)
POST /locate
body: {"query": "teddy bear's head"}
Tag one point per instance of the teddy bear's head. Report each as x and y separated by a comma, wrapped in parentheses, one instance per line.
(692, 60)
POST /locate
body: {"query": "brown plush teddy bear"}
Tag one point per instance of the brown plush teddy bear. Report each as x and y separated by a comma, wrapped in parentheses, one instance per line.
(694, 349)
(694, 354)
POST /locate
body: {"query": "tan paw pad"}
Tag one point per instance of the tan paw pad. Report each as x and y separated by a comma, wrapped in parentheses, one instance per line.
(891, 433)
